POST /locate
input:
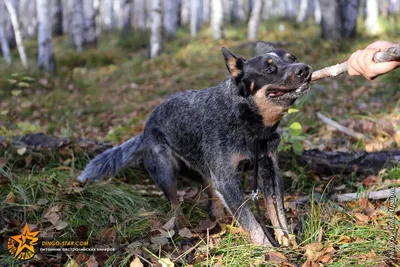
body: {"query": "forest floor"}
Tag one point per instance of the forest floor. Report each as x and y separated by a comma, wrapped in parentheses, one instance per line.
(107, 93)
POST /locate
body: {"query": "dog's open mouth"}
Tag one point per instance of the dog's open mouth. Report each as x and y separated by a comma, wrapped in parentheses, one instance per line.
(272, 92)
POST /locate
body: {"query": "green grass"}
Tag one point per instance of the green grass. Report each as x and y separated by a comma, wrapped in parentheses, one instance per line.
(107, 93)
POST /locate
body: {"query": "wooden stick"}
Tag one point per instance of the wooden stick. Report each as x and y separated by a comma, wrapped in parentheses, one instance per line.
(339, 127)
(392, 54)
(381, 194)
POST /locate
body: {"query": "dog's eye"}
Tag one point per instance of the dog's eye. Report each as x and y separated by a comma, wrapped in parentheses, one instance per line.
(270, 70)
(294, 59)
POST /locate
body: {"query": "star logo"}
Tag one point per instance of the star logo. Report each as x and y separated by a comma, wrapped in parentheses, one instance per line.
(22, 246)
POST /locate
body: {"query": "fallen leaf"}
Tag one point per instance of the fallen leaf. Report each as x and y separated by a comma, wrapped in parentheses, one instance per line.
(170, 224)
(136, 263)
(310, 264)
(277, 257)
(72, 263)
(21, 151)
(10, 198)
(167, 234)
(185, 232)
(112, 219)
(370, 180)
(80, 258)
(361, 217)
(312, 250)
(159, 240)
(52, 215)
(344, 239)
(204, 225)
(165, 262)
(109, 235)
(42, 201)
(92, 262)
(60, 225)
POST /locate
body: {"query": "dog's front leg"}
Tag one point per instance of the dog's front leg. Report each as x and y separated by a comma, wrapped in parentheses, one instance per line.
(227, 187)
(271, 185)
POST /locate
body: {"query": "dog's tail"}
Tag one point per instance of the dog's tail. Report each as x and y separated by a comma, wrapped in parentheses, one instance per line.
(113, 160)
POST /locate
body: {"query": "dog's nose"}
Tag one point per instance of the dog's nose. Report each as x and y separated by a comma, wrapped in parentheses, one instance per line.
(303, 71)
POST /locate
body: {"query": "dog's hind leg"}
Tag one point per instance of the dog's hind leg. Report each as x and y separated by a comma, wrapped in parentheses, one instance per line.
(271, 185)
(215, 207)
(161, 165)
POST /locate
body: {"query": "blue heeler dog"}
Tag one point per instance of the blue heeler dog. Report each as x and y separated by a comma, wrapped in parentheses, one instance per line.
(210, 133)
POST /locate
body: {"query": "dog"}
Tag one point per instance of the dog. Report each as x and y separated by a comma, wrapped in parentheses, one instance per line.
(209, 133)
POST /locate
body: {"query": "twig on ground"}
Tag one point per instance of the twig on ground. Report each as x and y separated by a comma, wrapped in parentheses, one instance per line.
(392, 54)
(381, 194)
(339, 127)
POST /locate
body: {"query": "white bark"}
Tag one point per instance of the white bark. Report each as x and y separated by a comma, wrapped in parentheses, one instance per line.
(302, 16)
(156, 28)
(108, 14)
(9, 25)
(28, 19)
(89, 16)
(217, 19)
(194, 17)
(57, 16)
(66, 14)
(76, 24)
(185, 12)
(206, 11)
(125, 15)
(171, 13)
(317, 12)
(241, 13)
(140, 14)
(5, 49)
(17, 32)
(46, 55)
(371, 22)
(254, 22)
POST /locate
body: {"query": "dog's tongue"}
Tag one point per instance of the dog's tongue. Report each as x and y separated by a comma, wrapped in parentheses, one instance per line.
(274, 94)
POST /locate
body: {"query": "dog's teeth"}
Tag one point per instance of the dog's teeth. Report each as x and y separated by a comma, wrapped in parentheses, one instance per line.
(298, 90)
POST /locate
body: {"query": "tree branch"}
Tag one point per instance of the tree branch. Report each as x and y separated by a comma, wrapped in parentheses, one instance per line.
(392, 54)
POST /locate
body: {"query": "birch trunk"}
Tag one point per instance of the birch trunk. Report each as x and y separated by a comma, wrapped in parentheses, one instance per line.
(171, 14)
(17, 32)
(254, 22)
(156, 28)
(28, 18)
(331, 24)
(9, 25)
(217, 19)
(76, 24)
(206, 11)
(46, 55)
(371, 21)
(304, 11)
(5, 49)
(194, 17)
(108, 14)
(185, 12)
(125, 19)
(140, 14)
(89, 26)
(57, 17)
(349, 14)
(317, 12)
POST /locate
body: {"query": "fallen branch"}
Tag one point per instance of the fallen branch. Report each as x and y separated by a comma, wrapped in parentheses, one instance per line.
(374, 195)
(392, 54)
(339, 127)
(40, 147)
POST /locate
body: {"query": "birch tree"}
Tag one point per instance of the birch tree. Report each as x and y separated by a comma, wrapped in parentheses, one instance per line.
(108, 14)
(89, 27)
(317, 12)
(57, 17)
(304, 11)
(206, 11)
(17, 32)
(171, 16)
(156, 28)
(331, 23)
(217, 19)
(254, 22)
(140, 14)
(76, 24)
(46, 55)
(371, 21)
(125, 15)
(349, 14)
(194, 17)
(185, 12)
(9, 24)
(28, 18)
(5, 49)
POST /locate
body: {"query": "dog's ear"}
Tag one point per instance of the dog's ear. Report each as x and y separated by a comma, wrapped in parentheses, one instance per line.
(233, 63)
(263, 48)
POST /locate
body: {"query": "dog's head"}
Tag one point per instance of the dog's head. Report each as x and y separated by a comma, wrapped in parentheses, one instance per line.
(273, 79)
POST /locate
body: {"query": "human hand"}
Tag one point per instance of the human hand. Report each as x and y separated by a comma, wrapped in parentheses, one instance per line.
(362, 63)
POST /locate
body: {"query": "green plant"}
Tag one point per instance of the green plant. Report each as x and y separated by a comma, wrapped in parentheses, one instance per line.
(292, 136)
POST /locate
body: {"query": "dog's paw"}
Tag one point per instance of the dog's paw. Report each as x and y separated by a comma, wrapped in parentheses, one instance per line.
(259, 238)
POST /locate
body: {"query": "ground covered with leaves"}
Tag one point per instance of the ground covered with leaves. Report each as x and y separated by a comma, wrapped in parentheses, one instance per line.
(107, 93)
